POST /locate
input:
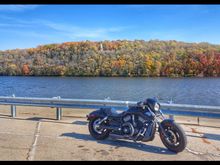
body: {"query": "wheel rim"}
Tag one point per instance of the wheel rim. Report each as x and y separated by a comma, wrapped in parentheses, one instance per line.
(173, 137)
(96, 127)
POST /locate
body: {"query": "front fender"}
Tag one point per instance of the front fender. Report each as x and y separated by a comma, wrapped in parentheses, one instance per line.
(165, 123)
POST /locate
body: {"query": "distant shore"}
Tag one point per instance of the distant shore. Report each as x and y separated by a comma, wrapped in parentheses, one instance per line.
(121, 58)
(113, 76)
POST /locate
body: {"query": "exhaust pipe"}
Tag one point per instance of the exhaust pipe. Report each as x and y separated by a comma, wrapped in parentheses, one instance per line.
(112, 128)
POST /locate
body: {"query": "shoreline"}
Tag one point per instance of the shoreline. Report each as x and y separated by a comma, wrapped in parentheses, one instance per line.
(171, 77)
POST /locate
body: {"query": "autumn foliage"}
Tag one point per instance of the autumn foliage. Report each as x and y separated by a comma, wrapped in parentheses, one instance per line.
(152, 58)
(25, 69)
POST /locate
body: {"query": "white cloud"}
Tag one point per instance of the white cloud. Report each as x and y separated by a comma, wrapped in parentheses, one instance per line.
(17, 7)
(82, 32)
(63, 30)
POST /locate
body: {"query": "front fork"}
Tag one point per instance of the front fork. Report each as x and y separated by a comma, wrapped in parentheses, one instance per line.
(162, 130)
(162, 119)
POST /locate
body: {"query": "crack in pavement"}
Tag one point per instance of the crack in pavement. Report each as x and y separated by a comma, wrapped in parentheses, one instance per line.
(31, 152)
(204, 140)
(202, 154)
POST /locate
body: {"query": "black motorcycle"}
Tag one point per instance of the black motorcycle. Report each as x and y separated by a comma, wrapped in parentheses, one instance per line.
(138, 123)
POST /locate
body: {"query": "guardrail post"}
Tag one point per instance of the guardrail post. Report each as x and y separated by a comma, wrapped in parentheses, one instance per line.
(127, 104)
(59, 111)
(198, 120)
(13, 109)
(107, 98)
(171, 116)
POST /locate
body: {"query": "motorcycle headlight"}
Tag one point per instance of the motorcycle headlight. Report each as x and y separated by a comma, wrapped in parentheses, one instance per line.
(156, 107)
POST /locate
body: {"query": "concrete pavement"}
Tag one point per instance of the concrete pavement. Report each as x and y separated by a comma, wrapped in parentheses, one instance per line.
(36, 138)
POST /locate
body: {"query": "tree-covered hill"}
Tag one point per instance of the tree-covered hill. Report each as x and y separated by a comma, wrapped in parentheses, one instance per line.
(114, 58)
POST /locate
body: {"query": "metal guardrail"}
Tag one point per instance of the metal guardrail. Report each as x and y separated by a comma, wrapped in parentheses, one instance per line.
(59, 103)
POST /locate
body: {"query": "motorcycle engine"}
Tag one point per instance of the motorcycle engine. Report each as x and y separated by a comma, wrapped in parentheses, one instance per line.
(132, 125)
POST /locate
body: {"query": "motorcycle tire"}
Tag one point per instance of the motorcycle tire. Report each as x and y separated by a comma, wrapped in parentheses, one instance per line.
(99, 136)
(175, 130)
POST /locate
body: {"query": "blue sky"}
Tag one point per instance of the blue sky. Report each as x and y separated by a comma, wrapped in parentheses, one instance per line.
(25, 26)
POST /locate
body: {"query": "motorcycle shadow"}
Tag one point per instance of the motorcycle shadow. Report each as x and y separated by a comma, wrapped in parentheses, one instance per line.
(121, 143)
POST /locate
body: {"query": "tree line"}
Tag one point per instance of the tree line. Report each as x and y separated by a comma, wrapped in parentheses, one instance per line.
(138, 58)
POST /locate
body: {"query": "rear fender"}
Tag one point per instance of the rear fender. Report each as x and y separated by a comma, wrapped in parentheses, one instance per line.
(96, 114)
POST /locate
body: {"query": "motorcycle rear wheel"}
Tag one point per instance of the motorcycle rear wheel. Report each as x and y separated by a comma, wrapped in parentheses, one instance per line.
(95, 132)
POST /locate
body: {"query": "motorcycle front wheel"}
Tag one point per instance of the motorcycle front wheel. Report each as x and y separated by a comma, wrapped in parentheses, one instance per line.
(97, 132)
(175, 139)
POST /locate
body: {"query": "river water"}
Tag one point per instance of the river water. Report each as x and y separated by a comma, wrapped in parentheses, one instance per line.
(203, 91)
